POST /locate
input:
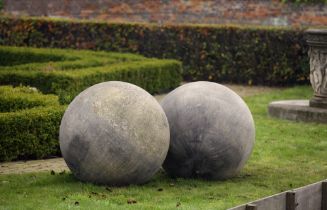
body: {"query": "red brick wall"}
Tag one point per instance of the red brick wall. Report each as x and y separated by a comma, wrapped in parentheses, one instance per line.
(257, 12)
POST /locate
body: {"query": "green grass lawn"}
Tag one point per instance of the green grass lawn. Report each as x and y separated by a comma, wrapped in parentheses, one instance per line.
(286, 155)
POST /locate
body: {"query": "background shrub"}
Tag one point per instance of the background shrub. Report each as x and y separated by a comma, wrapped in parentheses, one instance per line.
(251, 55)
(29, 124)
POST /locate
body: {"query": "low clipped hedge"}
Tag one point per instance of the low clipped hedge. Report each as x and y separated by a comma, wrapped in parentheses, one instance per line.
(251, 55)
(14, 99)
(68, 72)
(29, 124)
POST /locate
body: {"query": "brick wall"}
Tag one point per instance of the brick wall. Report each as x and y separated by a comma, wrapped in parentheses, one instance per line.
(256, 12)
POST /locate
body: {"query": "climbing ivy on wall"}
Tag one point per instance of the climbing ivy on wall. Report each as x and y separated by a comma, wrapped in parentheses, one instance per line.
(1, 5)
(305, 1)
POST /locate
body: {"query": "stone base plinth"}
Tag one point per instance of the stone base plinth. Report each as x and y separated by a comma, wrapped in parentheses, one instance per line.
(318, 102)
(297, 110)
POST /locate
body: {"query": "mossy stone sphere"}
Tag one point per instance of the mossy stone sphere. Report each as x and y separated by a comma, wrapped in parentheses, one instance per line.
(114, 133)
(211, 131)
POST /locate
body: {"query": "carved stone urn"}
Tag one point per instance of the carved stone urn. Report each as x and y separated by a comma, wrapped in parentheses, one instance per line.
(317, 41)
(315, 109)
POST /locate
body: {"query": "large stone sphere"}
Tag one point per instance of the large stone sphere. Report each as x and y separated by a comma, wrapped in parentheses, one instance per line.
(211, 131)
(114, 133)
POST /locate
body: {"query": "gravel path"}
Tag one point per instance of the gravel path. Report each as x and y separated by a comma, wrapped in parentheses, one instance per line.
(59, 165)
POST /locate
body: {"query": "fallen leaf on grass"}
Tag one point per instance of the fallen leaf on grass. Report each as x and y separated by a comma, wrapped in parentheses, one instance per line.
(178, 204)
(131, 201)
(108, 189)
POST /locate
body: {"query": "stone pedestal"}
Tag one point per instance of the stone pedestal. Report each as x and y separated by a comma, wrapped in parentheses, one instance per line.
(297, 110)
(317, 41)
(314, 110)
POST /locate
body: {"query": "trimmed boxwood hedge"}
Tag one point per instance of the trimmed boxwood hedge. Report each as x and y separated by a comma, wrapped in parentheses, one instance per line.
(252, 55)
(14, 99)
(68, 72)
(29, 124)
(29, 120)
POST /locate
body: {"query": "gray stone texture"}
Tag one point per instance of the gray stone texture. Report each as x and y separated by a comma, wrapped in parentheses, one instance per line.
(297, 110)
(114, 133)
(211, 131)
(317, 41)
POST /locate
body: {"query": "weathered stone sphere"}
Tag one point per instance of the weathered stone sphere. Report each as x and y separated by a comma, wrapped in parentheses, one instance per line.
(211, 131)
(114, 133)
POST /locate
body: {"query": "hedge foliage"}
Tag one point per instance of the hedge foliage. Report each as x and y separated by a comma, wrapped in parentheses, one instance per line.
(29, 124)
(253, 55)
(15, 99)
(68, 72)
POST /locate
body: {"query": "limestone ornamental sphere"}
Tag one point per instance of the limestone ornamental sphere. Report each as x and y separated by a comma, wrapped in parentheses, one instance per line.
(211, 131)
(114, 133)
